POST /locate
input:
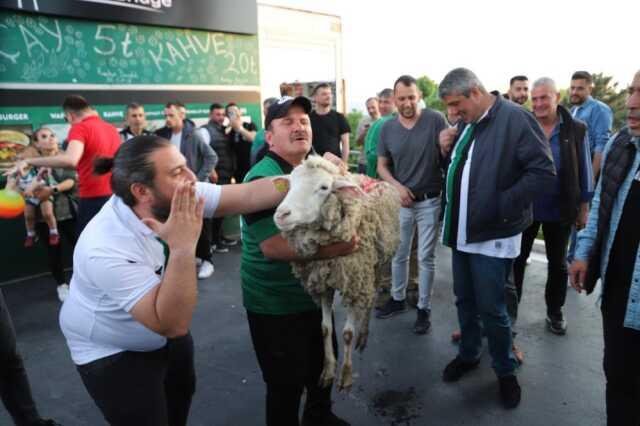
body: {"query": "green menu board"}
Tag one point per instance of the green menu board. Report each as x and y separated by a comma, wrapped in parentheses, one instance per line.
(42, 49)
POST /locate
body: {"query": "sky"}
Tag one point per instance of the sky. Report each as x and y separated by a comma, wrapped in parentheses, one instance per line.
(495, 38)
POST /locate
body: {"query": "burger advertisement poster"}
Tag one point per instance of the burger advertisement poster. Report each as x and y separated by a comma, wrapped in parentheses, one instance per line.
(13, 140)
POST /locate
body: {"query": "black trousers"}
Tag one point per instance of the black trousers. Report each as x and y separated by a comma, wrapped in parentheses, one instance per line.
(144, 388)
(67, 230)
(556, 238)
(87, 209)
(14, 383)
(203, 246)
(290, 352)
(621, 356)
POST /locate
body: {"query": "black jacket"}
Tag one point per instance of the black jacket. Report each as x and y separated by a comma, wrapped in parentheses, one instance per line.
(510, 166)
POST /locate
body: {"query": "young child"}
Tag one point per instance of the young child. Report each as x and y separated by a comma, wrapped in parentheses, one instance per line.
(26, 181)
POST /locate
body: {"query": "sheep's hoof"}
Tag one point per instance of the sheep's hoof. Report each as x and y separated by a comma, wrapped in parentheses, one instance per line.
(361, 341)
(346, 379)
(327, 376)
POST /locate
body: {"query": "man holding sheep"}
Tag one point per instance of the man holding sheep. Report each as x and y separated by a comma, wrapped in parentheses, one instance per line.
(410, 143)
(284, 321)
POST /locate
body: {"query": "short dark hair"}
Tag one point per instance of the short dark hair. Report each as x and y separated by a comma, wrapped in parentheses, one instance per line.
(175, 104)
(75, 103)
(131, 164)
(215, 105)
(385, 93)
(582, 75)
(320, 86)
(517, 78)
(406, 80)
(229, 105)
(134, 105)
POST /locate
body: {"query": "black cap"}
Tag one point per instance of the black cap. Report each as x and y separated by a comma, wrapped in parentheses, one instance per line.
(281, 107)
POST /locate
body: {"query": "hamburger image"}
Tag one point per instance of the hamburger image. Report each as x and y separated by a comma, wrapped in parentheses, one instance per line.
(12, 143)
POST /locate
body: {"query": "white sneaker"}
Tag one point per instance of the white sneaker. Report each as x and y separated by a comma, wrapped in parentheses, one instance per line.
(205, 270)
(63, 292)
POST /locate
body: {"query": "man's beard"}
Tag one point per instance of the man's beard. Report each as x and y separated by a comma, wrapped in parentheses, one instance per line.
(160, 208)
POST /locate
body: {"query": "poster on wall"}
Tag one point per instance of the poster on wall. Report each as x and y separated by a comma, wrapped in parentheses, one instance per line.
(13, 140)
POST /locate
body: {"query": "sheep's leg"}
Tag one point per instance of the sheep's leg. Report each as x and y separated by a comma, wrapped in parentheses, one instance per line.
(329, 367)
(346, 379)
(363, 330)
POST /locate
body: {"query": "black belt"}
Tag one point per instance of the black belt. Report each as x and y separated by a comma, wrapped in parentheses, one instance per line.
(426, 196)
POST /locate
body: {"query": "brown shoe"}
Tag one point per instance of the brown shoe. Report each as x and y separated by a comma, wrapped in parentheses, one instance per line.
(518, 353)
(456, 336)
(54, 239)
(29, 241)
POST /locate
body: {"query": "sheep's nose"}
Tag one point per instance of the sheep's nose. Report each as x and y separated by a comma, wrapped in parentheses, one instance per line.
(283, 214)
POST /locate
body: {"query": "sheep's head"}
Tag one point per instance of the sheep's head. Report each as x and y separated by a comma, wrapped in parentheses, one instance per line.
(310, 184)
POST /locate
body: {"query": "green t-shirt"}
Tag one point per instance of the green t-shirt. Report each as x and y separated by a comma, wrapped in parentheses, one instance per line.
(268, 286)
(371, 145)
(258, 141)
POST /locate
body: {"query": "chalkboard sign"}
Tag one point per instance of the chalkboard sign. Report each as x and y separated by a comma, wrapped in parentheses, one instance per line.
(40, 49)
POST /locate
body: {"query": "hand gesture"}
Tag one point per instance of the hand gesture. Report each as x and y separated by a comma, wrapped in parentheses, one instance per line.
(445, 140)
(406, 196)
(182, 229)
(19, 168)
(577, 274)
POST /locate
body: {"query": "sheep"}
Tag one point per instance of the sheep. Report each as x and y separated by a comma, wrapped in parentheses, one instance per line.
(325, 206)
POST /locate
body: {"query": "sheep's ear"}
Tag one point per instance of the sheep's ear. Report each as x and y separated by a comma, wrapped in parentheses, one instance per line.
(281, 183)
(346, 186)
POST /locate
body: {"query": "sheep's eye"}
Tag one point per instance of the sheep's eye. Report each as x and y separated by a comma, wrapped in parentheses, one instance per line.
(324, 187)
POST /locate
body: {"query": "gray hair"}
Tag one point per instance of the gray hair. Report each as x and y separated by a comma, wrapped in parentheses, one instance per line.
(546, 81)
(459, 81)
(385, 93)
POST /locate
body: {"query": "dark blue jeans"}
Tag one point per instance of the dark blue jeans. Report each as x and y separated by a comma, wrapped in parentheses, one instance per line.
(479, 285)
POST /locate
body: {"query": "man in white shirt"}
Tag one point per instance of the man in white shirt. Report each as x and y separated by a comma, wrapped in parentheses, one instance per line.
(134, 285)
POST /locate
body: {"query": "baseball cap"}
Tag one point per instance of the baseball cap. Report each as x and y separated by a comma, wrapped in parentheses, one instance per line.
(281, 107)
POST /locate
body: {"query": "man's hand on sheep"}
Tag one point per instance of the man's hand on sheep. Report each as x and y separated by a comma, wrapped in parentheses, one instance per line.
(338, 249)
(406, 196)
(337, 161)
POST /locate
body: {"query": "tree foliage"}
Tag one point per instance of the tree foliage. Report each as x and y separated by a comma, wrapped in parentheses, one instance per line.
(429, 89)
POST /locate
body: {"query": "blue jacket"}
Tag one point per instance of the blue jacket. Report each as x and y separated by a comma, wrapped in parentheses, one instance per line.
(599, 119)
(587, 236)
(511, 166)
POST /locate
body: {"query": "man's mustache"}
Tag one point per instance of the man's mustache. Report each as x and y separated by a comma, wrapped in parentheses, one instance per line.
(634, 114)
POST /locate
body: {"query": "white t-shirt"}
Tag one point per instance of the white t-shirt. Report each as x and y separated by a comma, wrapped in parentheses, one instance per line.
(506, 248)
(117, 260)
(176, 139)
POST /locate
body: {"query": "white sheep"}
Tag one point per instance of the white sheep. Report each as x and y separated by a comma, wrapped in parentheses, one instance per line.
(324, 206)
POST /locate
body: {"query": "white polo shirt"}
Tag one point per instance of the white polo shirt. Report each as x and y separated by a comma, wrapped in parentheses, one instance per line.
(117, 260)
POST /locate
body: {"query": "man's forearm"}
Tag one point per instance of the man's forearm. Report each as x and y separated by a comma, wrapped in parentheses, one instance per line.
(178, 293)
(597, 158)
(55, 161)
(249, 197)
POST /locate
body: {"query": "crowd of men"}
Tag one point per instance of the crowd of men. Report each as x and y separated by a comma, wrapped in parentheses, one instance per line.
(483, 178)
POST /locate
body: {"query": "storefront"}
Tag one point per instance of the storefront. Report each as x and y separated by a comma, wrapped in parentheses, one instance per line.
(114, 52)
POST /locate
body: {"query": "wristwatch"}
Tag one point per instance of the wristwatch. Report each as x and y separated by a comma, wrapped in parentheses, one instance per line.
(55, 189)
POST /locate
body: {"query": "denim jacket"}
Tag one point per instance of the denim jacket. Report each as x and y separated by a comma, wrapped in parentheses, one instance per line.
(587, 236)
(599, 119)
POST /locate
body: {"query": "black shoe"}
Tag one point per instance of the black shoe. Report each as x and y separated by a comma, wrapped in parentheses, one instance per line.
(423, 322)
(391, 308)
(557, 324)
(228, 242)
(510, 392)
(328, 419)
(219, 248)
(458, 368)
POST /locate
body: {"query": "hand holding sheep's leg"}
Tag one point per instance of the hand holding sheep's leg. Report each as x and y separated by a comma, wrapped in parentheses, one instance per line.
(329, 367)
(346, 378)
(363, 330)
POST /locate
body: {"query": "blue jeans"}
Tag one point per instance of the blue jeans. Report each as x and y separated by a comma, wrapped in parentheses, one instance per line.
(425, 215)
(479, 285)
